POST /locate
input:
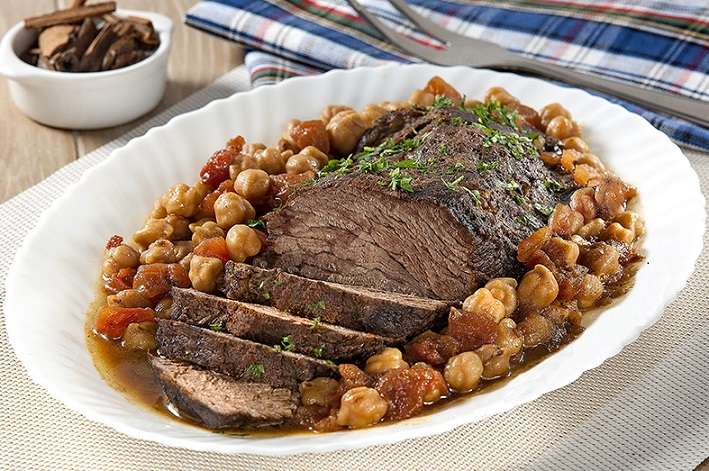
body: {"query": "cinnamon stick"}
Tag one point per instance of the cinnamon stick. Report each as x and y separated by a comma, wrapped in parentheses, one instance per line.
(70, 15)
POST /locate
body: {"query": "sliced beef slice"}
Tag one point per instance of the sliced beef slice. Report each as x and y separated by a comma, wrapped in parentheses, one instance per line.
(472, 201)
(388, 314)
(219, 401)
(268, 325)
(241, 359)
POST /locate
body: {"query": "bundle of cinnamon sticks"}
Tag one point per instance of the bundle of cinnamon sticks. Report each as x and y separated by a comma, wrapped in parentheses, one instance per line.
(89, 38)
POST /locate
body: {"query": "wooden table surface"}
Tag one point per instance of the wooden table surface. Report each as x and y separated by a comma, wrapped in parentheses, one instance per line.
(30, 152)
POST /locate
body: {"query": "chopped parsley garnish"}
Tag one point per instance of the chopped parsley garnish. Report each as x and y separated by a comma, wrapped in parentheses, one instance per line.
(442, 150)
(544, 209)
(216, 326)
(316, 323)
(287, 343)
(441, 101)
(495, 112)
(337, 166)
(317, 352)
(456, 121)
(485, 165)
(455, 185)
(474, 194)
(553, 185)
(266, 295)
(512, 186)
(523, 219)
(456, 167)
(255, 370)
(256, 224)
(319, 305)
(329, 362)
(399, 180)
(516, 191)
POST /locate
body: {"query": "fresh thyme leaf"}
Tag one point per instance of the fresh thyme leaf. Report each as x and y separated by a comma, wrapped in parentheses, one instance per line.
(474, 194)
(287, 344)
(216, 326)
(441, 101)
(319, 305)
(255, 370)
(317, 352)
(484, 165)
(256, 224)
(544, 209)
(453, 184)
(399, 180)
(553, 185)
(316, 323)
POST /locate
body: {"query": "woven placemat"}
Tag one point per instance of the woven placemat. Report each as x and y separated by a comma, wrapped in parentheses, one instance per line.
(645, 409)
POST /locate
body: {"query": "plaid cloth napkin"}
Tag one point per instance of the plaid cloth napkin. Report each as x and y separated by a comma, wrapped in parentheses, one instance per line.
(661, 44)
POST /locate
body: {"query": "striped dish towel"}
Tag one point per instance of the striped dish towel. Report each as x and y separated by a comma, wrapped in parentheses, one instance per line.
(661, 44)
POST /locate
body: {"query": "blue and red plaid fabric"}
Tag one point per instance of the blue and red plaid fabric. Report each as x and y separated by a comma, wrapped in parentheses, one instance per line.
(660, 44)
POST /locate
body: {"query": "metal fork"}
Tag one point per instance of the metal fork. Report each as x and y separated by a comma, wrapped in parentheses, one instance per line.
(463, 50)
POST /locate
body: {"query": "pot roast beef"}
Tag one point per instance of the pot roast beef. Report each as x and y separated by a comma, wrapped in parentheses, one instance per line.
(219, 401)
(270, 326)
(241, 359)
(437, 230)
(388, 314)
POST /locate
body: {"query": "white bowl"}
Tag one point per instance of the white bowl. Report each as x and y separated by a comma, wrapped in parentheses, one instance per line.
(52, 279)
(85, 100)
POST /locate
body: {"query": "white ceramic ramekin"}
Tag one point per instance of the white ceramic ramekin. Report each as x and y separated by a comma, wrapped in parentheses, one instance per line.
(85, 100)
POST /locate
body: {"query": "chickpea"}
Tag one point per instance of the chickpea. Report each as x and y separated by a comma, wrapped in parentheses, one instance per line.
(182, 248)
(483, 302)
(158, 211)
(185, 262)
(565, 221)
(230, 209)
(592, 229)
(180, 227)
(242, 162)
(270, 161)
(496, 362)
(631, 221)
(160, 251)
(140, 336)
(318, 391)
(361, 407)
(204, 272)
(535, 329)
(153, 230)
(591, 291)
(206, 230)
(584, 202)
(109, 267)
(242, 242)
(371, 113)
(507, 339)
(332, 110)
(463, 371)
(181, 200)
(538, 288)
(316, 153)
(561, 127)
(550, 159)
(602, 259)
(562, 252)
(300, 163)
(128, 298)
(611, 195)
(505, 291)
(576, 143)
(124, 256)
(252, 184)
(387, 359)
(435, 389)
(421, 98)
(253, 148)
(551, 111)
(615, 231)
(500, 95)
(163, 309)
(344, 130)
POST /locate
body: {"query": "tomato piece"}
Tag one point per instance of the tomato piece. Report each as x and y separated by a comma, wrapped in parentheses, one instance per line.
(156, 279)
(114, 241)
(112, 321)
(311, 133)
(120, 281)
(437, 86)
(214, 247)
(216, 170)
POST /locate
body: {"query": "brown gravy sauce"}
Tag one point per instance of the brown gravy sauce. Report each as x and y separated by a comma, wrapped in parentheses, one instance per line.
(128, 371)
